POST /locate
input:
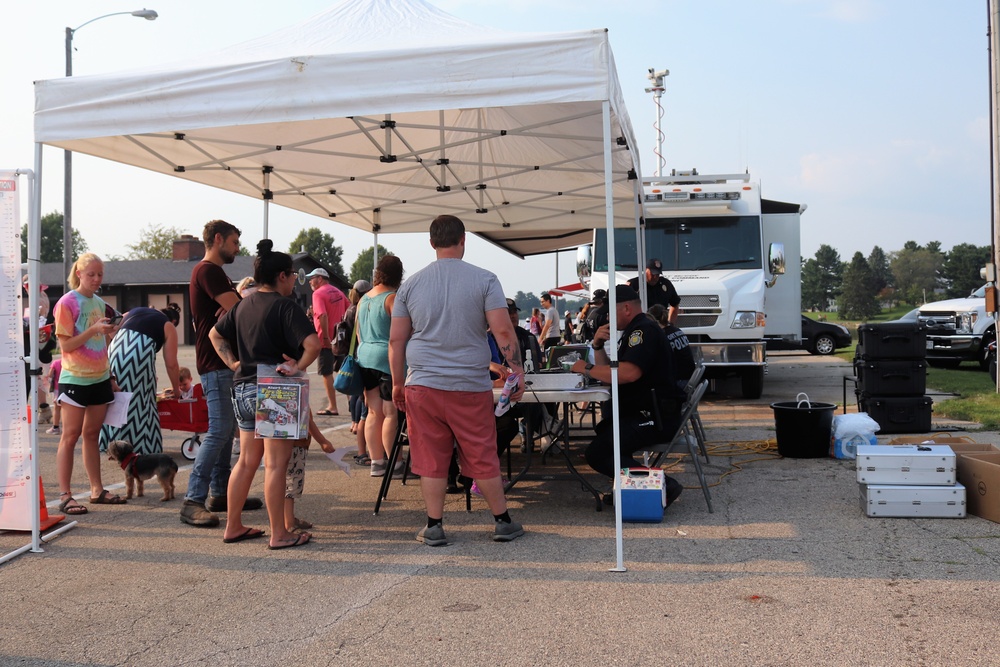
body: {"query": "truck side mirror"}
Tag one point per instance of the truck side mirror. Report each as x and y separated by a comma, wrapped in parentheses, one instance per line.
(584, 264)
(776, 259)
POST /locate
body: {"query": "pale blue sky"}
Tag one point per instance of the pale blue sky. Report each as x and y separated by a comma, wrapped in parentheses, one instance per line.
(874, 113)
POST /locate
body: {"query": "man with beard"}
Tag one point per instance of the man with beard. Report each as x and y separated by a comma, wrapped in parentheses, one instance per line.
(213, 295)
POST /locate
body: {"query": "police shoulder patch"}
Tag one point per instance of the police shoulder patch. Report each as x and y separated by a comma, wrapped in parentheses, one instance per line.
(635, 338)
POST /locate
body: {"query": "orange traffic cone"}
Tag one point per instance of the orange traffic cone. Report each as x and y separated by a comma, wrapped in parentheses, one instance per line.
(46, 520)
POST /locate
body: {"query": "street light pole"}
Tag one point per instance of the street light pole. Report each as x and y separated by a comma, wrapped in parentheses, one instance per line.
(147, 14)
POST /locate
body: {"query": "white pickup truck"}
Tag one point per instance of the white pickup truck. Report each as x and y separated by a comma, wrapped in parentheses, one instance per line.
(958, 330)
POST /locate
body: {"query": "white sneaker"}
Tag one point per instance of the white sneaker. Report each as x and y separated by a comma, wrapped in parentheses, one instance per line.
(53, 430)
(379, 468)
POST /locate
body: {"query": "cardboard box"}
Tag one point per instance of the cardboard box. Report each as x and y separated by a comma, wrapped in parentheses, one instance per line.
(980, 473)
(930, 465)
(934, 438)
(961, 448)
(893, 500)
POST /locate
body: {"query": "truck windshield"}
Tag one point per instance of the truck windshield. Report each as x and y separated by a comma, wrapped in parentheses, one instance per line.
(687, 244)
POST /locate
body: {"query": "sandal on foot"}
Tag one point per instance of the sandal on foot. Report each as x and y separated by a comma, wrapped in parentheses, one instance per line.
(362, 460)
(302, 524)
(300, 539)
(74, 509)
(248, 534)
(107, 499)
(328, 413)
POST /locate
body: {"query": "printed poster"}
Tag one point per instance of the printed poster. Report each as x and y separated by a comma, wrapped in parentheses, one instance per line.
(282, 405)
(15, 443)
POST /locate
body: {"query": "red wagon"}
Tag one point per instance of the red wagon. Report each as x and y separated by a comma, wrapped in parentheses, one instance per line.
(186, 414)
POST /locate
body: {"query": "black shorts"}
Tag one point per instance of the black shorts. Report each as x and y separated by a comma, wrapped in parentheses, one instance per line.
(326, 361)
(372, 378)
(87, 394)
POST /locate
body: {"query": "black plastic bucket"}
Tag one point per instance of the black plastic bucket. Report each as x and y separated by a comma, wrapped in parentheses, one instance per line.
(803, 428)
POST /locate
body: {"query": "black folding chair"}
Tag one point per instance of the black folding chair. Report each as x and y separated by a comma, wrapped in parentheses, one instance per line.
(684, 433)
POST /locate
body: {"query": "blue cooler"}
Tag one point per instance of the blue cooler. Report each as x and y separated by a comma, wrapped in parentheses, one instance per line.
(644, 494)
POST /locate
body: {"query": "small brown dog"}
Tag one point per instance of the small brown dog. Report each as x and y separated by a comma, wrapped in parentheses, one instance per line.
(140, 467)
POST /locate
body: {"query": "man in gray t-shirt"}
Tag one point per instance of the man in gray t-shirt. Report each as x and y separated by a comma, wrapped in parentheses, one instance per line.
(551, 330)
(440, 360)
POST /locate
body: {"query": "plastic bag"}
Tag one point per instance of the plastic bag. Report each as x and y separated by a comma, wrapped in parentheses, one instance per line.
(850, 431)
(858, 423)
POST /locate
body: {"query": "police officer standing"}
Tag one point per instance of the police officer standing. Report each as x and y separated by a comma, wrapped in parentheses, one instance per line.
(659, 289)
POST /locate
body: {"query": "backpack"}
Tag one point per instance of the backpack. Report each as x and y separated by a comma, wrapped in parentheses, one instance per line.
(342, 333)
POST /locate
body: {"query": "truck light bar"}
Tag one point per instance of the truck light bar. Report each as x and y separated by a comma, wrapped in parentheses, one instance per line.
(684, 197)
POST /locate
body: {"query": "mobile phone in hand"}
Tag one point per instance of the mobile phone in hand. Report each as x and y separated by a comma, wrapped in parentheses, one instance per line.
(116, 320)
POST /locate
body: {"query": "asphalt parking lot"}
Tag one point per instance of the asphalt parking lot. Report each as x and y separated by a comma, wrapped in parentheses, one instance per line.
(786, 571)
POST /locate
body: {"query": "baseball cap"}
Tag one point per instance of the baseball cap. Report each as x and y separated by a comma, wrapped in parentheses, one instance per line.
(319, 271)
(599, 296)
(624, 294)
(362, 286)
(655, 266)
(512, 306)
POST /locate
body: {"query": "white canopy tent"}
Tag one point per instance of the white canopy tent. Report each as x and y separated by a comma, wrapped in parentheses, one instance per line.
(381, 114)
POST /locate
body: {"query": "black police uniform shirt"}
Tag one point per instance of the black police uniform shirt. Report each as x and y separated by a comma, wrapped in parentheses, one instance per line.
(644, 344)
(662, 292)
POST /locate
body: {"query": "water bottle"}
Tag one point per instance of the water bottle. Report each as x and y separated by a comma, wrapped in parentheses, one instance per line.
(503, 405)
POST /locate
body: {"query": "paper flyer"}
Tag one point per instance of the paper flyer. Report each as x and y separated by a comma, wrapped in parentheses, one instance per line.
(282, 405)
(338, 458)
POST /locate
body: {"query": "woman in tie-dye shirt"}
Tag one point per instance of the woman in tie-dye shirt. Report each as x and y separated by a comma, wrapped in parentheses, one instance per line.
(85, 383)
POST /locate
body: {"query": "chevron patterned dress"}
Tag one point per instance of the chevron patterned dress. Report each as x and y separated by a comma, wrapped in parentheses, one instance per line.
(133, 361)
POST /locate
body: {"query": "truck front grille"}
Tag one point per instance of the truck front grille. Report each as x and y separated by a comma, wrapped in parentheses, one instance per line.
(689, 321)
(700, 301)
(940, 324)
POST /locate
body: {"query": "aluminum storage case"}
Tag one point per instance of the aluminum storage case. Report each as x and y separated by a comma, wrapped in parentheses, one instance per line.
(896, 377)
(893, 500)
(892, 340)
(906, 464)
(898, 414)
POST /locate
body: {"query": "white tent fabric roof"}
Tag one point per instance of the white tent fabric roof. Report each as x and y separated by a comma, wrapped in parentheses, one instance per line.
(378, 114)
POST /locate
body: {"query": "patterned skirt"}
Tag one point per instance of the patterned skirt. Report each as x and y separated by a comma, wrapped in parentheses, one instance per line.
(133, 361)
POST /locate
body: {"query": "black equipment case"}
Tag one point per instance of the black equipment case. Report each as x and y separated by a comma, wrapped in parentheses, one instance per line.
(892, 340)
(898, 377)
(898, 414)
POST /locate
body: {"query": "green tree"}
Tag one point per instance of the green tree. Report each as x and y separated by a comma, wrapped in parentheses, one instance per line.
(878, 262)
(155, 242)
(51, 250)
(321, 246)
(858, 301)
(960, 271)
(821, 279)
(916, 271)
(364, 266)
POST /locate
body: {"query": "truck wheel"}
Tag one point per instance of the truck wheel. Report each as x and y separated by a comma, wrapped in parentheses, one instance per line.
(988, 338)
(824, 344)
(753, 382)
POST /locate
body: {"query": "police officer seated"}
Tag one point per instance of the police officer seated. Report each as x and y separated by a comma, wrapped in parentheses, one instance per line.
(645, 363)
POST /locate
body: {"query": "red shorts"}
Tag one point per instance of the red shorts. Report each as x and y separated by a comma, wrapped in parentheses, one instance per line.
(437, 419)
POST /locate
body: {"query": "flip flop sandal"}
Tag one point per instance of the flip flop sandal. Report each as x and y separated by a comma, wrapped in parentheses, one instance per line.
(300, 539)
(327, 413)
(248, 534)
(74, 509)
(107, 499)
(302, 524)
